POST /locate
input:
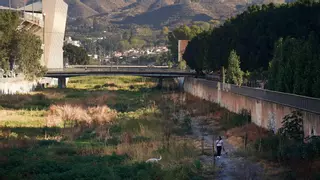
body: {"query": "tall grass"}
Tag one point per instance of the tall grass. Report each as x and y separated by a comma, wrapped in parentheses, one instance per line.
(101, 127)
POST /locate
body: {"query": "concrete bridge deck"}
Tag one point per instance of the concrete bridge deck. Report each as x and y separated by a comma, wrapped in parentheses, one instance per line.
(148, 72)
(159, 73)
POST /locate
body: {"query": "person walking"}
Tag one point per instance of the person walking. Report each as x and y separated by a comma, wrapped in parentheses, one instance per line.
(219, 145)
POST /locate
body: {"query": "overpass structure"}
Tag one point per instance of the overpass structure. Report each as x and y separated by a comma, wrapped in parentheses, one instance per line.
(46, 19)
(160, 73)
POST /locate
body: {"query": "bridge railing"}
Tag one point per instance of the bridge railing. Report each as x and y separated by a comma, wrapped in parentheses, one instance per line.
(32, 18)
(291, 100)
(115, 66)
(114, 69)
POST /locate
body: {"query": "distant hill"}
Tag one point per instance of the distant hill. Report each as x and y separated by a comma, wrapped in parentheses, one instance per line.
(168, 15)
(154, 13)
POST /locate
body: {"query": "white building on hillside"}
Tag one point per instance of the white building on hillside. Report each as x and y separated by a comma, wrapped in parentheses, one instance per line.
(72, 42)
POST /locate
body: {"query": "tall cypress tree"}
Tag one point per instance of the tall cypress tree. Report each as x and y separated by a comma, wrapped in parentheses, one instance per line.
(234, 72)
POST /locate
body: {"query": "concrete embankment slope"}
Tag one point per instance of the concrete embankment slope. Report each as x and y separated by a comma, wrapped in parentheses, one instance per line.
(19, 85)
(16, 85)
(267, 107)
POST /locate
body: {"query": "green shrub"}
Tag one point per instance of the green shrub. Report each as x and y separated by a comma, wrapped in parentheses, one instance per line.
(183, 172)
(268, 147)
(48, 142)
(231, 120)
(64, 150)
(115, 130)
(121, 107)
(186, 125)
(97, 87)
(288, 146)
(113, 141)
(87, 135)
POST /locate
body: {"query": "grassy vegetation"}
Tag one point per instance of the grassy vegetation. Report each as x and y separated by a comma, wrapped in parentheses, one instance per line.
(98, 128)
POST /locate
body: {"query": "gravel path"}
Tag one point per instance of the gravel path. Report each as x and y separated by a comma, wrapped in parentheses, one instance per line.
(229, 166)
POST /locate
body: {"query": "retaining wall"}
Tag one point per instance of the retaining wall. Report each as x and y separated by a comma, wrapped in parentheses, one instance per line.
(20, 86)
(267, 107)
(16, 86)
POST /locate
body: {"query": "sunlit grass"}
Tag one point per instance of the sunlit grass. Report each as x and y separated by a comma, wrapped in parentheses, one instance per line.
(22, 118)
(111, 117)
(110, 82)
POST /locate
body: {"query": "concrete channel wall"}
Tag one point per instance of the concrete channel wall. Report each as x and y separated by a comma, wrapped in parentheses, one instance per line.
(16, 86)
(267, 107)
(19, 85)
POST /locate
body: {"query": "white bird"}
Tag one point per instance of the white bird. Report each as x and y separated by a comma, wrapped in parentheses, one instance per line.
(152, 160)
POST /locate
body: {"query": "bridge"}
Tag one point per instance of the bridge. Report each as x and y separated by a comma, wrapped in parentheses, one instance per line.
(156, 72)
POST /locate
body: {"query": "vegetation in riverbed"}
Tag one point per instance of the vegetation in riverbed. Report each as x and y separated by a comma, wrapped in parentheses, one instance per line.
(99, 128)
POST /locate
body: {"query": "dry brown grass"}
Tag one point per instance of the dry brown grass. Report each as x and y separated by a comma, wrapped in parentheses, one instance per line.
(67, 113)
(51, 94)
(253, 132)
(19, 100)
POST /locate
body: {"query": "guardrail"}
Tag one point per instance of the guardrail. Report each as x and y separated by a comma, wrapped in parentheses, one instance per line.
(305, 103)
(116, 66)
(115, 69)
(33, 19)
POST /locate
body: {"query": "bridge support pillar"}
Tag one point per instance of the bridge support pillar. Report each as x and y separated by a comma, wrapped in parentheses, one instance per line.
(62, 83)
(159, 85)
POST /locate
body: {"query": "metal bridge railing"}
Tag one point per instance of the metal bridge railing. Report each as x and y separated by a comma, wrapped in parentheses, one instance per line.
(115, 69)
(291, 100)
(32, 19)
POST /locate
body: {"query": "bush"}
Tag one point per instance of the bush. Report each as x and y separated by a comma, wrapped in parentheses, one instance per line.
(115, 129)
(269, 146)
(232, 120)
(183, 172)
(97, 87)
(87, 135)
(289, 148)
(47, 142)
(113, 141)
(186, 125)
(62, 150)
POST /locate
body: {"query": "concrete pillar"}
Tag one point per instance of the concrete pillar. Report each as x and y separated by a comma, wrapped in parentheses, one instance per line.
(62, 82)
(159, 85)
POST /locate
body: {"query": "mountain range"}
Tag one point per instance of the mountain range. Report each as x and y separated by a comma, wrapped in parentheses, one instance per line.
(154, 13)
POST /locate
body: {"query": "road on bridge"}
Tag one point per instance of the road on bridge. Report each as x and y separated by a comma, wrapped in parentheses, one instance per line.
(147, 72)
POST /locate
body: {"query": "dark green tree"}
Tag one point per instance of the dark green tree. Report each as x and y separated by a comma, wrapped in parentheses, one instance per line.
(196, 53)
(292, 126)
(181, 33)
(294, 67)
(75, 55)
(19, 48)
(234, 73)
(254, 32)
(27, 55)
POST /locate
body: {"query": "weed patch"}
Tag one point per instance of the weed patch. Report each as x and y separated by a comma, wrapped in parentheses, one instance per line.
(231, 120)
(100, 128)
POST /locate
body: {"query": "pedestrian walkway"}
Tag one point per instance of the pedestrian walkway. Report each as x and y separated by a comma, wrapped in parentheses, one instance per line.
(229, 167)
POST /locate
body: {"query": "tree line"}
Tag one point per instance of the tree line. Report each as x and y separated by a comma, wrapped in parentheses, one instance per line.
(20, 50)
(281, 39)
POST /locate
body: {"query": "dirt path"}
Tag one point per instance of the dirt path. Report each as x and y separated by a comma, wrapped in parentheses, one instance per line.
(229, 166)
